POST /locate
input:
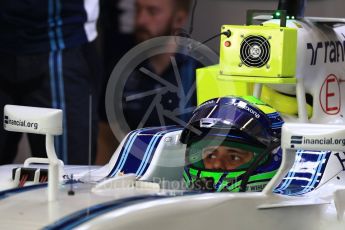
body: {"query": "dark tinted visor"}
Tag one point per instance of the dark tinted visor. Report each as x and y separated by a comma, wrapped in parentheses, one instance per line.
(243, 118)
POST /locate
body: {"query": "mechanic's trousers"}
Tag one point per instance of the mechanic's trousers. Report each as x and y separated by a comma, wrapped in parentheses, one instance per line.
(67, 80)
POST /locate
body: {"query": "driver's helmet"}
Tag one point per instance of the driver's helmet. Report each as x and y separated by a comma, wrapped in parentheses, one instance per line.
(233, 144)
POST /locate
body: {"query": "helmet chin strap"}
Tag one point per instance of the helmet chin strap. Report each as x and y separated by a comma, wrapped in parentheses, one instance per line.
(274, 144)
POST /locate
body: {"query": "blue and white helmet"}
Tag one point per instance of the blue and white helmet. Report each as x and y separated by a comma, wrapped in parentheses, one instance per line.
(244, 125)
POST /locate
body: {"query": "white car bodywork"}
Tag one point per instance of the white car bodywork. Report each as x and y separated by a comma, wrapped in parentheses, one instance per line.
(105, 199)
(122, 202)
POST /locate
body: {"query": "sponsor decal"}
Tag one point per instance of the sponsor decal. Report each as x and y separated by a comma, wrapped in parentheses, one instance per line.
(257, 187)
(316, 141)
(20, 123)
(324, 141)
(332, 51)
(330, 95)
(245, 106)
(296, 139)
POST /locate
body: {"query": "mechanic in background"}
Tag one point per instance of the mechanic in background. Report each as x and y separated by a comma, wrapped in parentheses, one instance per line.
(155, 18)
(48, 58)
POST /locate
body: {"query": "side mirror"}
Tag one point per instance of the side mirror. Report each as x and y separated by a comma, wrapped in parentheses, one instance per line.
(33, 120)
(317, 137)
(38, 121)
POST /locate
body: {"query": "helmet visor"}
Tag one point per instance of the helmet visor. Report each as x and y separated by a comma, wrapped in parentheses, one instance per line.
(221, 155)
(242, 117)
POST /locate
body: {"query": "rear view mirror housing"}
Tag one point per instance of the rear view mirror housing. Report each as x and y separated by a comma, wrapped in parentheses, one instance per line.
(34, 120)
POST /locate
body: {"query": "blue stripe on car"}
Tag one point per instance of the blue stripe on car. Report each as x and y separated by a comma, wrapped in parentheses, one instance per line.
(148, 152)
(153, 150)
(316, 177)
(127, 149)
(82, 216)
(289, 176)
(303, 181)
(7, 193)
(136, 140)
(122, 155)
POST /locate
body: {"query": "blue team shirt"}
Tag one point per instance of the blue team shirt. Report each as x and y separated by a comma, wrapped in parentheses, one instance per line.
(33, 26)
(169, 101)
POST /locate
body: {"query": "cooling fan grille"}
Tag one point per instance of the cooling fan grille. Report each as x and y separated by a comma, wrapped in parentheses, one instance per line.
(255, 51)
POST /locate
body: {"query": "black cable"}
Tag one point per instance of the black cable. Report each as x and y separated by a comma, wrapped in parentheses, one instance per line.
(191, 25)
(183, 33)
(226, 33)
(254, 166)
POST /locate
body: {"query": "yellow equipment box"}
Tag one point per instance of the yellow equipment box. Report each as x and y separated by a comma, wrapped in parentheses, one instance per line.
(258, 51)
(209, 85)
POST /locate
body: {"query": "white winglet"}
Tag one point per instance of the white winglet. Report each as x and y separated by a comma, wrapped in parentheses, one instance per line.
(38, 121)
(33, 120)
(317, 137)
